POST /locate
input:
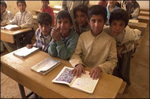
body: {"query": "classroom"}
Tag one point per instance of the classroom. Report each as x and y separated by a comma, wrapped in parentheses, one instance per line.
(17, 76)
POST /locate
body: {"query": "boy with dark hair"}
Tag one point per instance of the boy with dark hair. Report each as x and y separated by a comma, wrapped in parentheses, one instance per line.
(42, 34)
(95, 48)
(5, 17)
(80, 15)
(23, 19)
(125, 38)
(70, 5)
(64, 37)
(46, 8)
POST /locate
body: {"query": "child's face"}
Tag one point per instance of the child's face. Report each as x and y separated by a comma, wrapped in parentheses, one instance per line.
(81, 18)
(3, 8)
(97, 23)
(44, 3)
(45, 28)
(21, 7)
(117, 27)
(64, 25)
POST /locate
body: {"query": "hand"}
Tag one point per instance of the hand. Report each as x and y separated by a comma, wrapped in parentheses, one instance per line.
(15, 28)
(96, 72)
(55, 34)
(3, 24)
(78, 70)
(29, 46)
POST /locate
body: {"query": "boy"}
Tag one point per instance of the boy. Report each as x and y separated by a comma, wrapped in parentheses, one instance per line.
(80, 15)
(125, 38)
(133, 9)
(95, 48)
(5, 17)
(46, 8)
(110, 7)
(64, 38)
(42, 34)
(70, 5)
(23, 19)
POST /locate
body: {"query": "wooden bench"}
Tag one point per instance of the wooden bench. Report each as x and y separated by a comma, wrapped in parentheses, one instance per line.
(144, 9)
(142, 18)
(144, 13)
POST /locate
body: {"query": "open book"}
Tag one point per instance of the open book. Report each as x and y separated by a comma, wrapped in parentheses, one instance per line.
(83, 83)
(45, 66)
(9, 27)
(24, 52)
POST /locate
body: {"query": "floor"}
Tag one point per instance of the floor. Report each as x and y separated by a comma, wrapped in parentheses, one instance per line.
(139, 75)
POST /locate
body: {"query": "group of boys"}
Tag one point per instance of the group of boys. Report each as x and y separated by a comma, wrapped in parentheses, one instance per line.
(91, 44)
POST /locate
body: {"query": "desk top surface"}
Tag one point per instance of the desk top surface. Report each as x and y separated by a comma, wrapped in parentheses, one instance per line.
(107, 87)
(15, 32)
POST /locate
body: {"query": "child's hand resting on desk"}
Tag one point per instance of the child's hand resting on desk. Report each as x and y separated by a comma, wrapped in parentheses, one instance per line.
(78, 70)
(96, 72)
(29, 46)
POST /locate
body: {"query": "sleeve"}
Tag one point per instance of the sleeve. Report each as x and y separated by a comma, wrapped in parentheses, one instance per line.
(14, 20)
(136, 12)
(65, 51)
(76, 57)
(35, 44)
(111, 62)
(9, 18)
(133, 34)
(52, 48)
(28, 21)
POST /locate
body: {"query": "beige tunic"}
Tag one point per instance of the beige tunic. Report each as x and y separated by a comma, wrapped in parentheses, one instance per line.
(95, 51)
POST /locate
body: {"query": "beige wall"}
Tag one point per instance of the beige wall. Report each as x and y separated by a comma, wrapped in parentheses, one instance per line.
(31, 5)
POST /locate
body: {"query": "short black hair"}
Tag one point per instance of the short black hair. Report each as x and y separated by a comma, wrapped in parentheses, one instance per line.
(83, 8)
(21, 1)
(64, 14)
(3, 3)
(97, 10)
(45, 0)
(44, 18)
(119, 14)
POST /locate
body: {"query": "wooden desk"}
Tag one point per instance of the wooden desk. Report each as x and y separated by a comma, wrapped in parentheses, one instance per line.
(142, 18)
(140, 25)
(144, 13)
(19, 70)
(11, 36)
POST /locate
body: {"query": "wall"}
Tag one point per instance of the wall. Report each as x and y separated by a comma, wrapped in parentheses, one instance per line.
(31, 5)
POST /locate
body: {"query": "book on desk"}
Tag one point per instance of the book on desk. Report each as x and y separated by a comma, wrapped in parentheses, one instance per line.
(9, 27)
(84, 83)
(24, 52)
(45, 66)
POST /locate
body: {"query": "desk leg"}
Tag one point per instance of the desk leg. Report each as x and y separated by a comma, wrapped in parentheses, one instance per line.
(17, 41)
(22, 92)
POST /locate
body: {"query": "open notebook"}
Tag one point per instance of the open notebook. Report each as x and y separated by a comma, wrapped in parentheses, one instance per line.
(45, 66)
(9, 27)
(24, 52)
(84, 83)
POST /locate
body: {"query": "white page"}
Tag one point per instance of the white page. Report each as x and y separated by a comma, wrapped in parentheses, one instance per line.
(85, 83)
(25, 51)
